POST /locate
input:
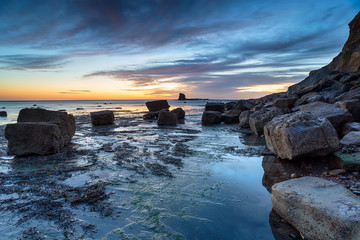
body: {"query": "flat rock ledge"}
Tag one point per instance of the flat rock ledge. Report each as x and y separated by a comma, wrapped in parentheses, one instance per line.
(318, 209)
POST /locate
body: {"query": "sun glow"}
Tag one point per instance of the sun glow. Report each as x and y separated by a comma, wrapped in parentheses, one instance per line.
(265, 88)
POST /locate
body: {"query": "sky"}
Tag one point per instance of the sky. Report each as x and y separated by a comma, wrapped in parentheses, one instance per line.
(155, 49)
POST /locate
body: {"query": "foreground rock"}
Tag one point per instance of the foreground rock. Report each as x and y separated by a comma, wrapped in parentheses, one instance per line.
(30, 138)
(215, 106)
(167, 118)
(179, 112)
(158, 105)
(3, 114)
(102, 118)
(352, 138)
(65, 121)
(319, 209)
(337, 116)
(211, 118)
(259, 118)
(300, 134)
(353, 106)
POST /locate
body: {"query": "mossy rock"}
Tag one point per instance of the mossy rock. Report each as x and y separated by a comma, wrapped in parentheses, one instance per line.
(348, 161)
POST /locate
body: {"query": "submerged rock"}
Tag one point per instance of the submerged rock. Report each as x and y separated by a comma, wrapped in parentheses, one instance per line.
(215, 106)
(319, 209)
(158, 105)
(65, 121)
(211, 118)
(102, 118)
(300, 134)
(179, 112)
(167, 118)
(3, 114)
(29, 138)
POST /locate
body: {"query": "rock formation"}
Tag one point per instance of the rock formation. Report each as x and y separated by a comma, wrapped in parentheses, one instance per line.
(102, 118)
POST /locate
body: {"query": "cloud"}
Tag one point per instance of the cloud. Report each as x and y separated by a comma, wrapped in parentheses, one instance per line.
(31, 62)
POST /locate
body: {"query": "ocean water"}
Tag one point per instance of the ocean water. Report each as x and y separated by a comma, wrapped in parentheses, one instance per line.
(209, 189)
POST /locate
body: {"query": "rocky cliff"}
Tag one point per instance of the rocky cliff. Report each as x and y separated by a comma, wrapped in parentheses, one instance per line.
(347, 61)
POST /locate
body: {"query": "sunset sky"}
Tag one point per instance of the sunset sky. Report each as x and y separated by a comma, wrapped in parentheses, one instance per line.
(107, 49)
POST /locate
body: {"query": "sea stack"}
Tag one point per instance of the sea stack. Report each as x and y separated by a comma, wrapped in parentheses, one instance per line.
(182, 96)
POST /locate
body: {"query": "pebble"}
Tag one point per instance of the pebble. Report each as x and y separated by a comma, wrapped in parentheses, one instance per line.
(337, 172)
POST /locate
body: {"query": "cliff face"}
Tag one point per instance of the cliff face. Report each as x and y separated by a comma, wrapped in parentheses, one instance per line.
(348, 59)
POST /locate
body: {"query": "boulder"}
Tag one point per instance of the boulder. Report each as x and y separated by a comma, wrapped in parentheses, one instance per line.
(102, 118)
(349, 78)
(158, 105)
(352, 138)
(300, 134)
(353, 106)
(337, 116)
(233, 115)
(310, 81)
(27, 138)
(65, 121)
(181, 97)
(349, 127)
(167, 118)
(229, 105)
(179, 112)
(317, 208)
(284, 102)
(215, 106)
(211, 118)
(3, 114)
(259, 118)
(244, 119)
(352, 94)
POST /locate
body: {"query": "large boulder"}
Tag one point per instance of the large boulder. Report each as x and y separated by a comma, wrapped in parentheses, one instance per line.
(65, 121)
(233, 115)
(211, 118)
(102, 118)
(27, 138)
(352, 138)
(167, 118)
(317, 208)
(300, 134)
(337, 116)
(215, 106)
(179, 112)
(158, 105)
(244, 119)
(284, 102)
(258, 119)
(353, 106)
(3, 114)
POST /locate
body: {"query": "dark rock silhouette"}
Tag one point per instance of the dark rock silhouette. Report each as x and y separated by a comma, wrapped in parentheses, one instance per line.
(102, 118)
(158, 105)
(182, 96)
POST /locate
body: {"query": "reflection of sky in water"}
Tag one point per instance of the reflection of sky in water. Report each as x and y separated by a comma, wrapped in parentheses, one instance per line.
(217, 194)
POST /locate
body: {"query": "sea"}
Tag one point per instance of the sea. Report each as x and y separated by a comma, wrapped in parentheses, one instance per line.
(135, 179)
